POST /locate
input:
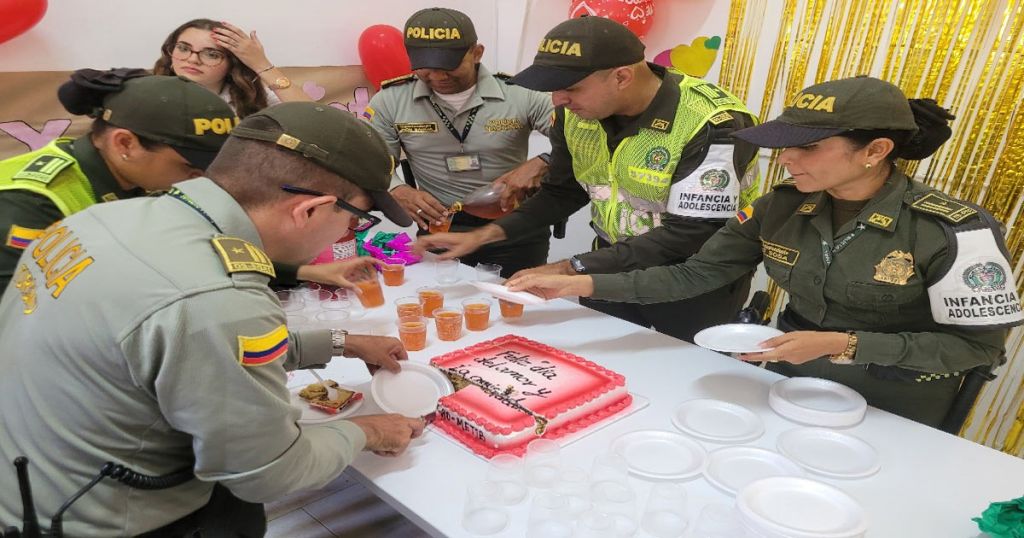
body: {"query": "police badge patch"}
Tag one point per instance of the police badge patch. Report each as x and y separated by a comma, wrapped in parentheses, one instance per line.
(985, 277)
(657, 158)
(715, 179)
(895, 268)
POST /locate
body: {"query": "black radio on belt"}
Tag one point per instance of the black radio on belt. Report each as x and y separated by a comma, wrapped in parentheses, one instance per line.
(30, 523)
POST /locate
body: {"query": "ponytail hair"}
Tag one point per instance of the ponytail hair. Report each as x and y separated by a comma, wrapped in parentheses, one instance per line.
(932, 131)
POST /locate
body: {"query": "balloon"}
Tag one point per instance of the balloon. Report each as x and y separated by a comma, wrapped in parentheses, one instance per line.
(382, 51)
(17, 16)
(637, 15)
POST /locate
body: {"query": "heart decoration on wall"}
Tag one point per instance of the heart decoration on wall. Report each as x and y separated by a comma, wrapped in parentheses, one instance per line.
(694, 59)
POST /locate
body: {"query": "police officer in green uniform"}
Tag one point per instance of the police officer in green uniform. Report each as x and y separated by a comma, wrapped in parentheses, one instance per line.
(144, 333)
(649, 149)
(461, 127)
(148, 133)
(895, 288)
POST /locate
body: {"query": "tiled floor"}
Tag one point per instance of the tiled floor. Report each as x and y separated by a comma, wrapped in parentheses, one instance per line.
(343, 508)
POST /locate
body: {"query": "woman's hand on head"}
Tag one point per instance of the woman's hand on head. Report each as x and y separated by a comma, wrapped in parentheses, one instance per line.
(246, 47)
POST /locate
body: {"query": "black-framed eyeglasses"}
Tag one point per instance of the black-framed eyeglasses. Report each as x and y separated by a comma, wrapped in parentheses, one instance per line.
(366, 220)
(211, 57)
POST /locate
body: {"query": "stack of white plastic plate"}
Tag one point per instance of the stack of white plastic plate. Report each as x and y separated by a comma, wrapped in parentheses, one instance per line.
(718, 421)
(792, 507)
(829, 453)
(733, 467)
(817, 402)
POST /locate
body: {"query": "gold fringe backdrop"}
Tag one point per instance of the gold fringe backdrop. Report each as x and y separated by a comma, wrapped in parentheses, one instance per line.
(969, 56)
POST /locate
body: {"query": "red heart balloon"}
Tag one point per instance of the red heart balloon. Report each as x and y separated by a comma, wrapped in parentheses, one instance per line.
(637, 15)
(17, 16)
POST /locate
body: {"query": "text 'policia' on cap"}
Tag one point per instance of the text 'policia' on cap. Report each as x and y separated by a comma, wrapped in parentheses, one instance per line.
(335, 140)
(576, 48)
(834, 107)
(438, 38)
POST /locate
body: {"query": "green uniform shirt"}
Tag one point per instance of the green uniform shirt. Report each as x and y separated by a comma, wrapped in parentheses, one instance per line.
(402, 114)
(679, 236)
(135, 345)
(893, 320)
(33, 211)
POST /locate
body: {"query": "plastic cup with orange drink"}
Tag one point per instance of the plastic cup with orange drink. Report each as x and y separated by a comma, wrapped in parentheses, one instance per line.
(412, 331)
(441, 226)
(394, 273)
(448, 322)
(371, 295)
(408, 306)
(510, 309)
(431, 298)
(477, 311)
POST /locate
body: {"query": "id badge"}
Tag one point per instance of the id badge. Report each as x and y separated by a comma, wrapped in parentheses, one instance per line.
(463, 162)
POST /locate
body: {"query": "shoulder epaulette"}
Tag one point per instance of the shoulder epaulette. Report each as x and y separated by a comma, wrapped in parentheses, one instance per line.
(239, 255)
(44, 168)
(397, 80)
(785, 182)
(502, 75)
(941, 205)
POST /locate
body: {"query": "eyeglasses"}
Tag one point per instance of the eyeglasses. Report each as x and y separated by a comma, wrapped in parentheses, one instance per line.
(366, 220)
(211, 57)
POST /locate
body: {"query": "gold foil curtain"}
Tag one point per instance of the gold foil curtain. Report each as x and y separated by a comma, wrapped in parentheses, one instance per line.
(967, 54)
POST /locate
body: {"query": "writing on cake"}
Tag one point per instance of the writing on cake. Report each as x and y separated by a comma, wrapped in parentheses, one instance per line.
(511, 390)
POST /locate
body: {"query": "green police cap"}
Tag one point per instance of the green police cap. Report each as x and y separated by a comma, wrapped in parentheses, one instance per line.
(576, 48)
(834, 107)
(438, 38)
(335, 140)
(194, 121)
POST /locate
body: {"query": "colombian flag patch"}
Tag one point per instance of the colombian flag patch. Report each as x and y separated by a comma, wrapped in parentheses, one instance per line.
(745, 213)
(19, 237)
(368, 113)
(265, 349)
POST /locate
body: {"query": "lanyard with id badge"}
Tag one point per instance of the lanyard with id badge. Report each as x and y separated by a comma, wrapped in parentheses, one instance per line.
(460, 162)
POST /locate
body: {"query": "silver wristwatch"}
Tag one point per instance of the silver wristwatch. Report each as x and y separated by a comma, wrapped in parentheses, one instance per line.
(338, 340)
(577, 265)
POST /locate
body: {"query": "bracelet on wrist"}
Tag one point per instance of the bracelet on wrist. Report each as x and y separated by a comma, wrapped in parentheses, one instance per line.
(846, 357)
(261, 71)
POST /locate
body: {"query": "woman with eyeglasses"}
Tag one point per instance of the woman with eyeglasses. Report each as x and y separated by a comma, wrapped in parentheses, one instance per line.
(225, 60)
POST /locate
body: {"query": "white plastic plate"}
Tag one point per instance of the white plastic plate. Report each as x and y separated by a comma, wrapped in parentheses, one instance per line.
(733, 467)
(829, 453)
(413, 392)
(717, 421)
(735, 337)
(311, 415)
(817, 402)
(502, 292)
(660, 454)
(800, 508)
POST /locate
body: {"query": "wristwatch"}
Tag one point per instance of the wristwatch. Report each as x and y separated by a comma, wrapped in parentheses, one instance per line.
(577, 265)
(546, 157)
(846, 357)
(281, 83)
(338, 341)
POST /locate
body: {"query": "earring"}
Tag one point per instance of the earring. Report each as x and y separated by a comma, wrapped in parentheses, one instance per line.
(124, 156)
(867, 166)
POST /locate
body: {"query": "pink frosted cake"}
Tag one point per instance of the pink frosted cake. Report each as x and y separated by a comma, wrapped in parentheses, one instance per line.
(511, 390)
